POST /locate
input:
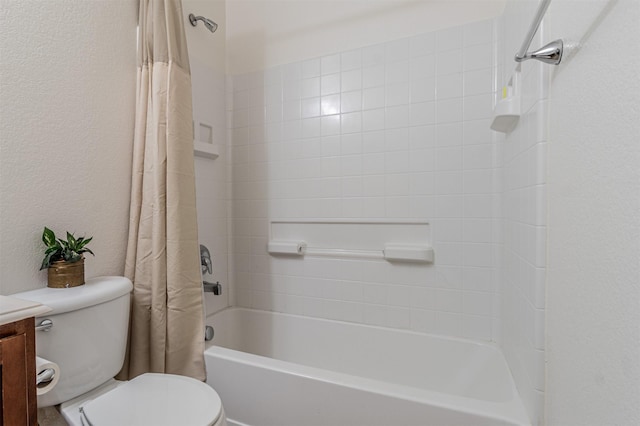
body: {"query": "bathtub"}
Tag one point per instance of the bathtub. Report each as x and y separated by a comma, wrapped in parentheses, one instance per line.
(288, 370)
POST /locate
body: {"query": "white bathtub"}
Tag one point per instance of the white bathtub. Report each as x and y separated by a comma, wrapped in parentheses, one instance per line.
(288, 370)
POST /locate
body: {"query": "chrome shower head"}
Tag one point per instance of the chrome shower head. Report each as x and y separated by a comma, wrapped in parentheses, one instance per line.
(211, 26)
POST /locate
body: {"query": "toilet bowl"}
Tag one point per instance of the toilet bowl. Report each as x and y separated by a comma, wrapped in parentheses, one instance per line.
(88, 341)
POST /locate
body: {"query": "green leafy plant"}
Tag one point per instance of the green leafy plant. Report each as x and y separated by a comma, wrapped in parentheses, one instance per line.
(69, 250)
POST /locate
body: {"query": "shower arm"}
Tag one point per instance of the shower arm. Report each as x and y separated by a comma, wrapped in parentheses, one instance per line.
(550, 53)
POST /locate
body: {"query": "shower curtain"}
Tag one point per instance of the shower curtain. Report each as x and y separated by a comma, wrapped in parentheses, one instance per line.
(166, 328)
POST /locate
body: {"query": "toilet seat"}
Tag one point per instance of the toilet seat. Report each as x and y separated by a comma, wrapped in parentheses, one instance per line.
(155, 399)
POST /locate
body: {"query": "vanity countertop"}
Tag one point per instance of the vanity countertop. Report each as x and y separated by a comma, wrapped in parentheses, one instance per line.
(14, 309)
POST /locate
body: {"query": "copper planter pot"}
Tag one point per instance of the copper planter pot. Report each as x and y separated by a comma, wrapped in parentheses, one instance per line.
(63, 274)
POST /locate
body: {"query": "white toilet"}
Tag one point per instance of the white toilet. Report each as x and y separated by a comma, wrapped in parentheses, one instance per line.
(88, 340)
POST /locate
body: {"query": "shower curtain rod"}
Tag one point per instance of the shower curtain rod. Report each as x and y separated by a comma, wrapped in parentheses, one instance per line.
(550, 53)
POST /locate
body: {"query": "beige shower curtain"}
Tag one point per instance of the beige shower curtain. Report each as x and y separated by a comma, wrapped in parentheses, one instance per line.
(166, 330)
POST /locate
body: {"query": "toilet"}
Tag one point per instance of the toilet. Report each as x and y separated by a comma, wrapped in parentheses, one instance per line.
(88, 340)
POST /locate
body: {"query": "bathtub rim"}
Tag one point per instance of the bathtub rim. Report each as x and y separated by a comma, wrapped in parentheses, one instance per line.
(511, 410)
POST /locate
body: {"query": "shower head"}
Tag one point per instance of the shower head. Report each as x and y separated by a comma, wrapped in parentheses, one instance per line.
(211, 26)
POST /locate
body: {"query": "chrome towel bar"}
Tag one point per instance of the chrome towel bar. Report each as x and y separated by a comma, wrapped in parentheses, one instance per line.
(550, 53)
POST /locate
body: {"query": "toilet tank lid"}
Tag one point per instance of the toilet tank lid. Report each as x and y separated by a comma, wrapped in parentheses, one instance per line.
(93, 292)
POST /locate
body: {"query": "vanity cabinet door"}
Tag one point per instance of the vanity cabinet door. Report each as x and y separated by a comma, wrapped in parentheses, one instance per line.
(17, 374)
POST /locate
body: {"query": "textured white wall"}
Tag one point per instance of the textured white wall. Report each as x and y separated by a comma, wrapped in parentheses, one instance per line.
(67, 90)
(207, 60)
(593, 287)
(264, 33)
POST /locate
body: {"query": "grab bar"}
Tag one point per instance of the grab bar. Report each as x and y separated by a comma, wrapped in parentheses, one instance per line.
(550, 53)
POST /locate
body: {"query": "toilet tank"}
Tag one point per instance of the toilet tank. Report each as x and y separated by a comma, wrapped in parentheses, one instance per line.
(89, 334)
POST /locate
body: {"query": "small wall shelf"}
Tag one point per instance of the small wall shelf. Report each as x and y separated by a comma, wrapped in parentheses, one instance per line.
(206, 150)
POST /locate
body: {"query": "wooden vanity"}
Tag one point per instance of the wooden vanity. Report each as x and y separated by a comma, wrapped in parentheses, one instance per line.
(18, 405)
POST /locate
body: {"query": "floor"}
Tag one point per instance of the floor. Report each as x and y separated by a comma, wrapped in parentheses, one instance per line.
(49, 416)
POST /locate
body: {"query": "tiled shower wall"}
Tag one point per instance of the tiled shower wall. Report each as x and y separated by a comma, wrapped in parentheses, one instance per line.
(391, 131)
(524, 215)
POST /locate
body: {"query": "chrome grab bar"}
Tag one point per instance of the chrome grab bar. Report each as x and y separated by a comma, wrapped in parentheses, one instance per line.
(550, 53)
(45, 325)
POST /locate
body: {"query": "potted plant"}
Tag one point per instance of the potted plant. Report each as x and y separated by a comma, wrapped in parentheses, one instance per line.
(64, 259)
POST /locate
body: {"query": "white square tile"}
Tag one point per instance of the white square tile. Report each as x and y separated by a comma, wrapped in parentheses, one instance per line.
(292, 90)
(449, 39)
(477, 132)
(450, 110)
(352, 122)
(310, 87)
(449, 62)
(448, 300)
(422, 160)
(423, 113)
(397, 116)
(476, 230)
(447, 230)
(373, 55)
(422, 44)
(448, 159)
(477, 157)
(373, 141)
(449, 86)
(478, 107)
(421, 137)
(330, 146)
(352, 165)
(373, 76)
(373, 207)
(351, 144)
(292, 71)
(396, 139)
(478, 81)
(351, 60)
(421, 207)
(448, 206)
(330, 84)
(310, 68)
(310, 107)
(373, 164)
(330, 125)
(351, 80)
(373, 98)
(373, 119)
(396, 185)
(478, 56)
(422, 67)
(291, 110)
(351, 101)
(422, 90)
(447, 183)
(397, 207)
(330, 64)
(374, 186)
(311, 127)
(396, 161)
(478, 181)
(352, 186)
(329, 104)
(397, 72)
(274, 113)
(477, 327)
(397, 94)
